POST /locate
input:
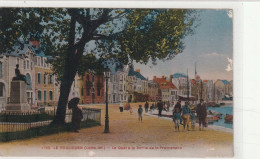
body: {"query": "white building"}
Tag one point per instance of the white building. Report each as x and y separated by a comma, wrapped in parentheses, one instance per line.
(25, 57)
(118, 84)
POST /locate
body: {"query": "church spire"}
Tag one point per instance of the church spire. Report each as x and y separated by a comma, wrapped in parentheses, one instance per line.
(195, 70)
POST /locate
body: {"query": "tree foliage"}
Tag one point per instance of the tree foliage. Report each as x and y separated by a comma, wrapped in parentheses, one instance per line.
(86, 38)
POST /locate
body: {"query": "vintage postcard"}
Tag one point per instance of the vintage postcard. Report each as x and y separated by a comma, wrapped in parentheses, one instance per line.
(116, 81)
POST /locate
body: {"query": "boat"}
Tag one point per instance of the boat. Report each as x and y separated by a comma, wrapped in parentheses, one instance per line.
(228, 118)
(211, 104)
(216, 105)
(214, 113)
(222, 103)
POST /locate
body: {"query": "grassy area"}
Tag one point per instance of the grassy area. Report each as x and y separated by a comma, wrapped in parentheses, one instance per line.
(43, 130)
(25, 118)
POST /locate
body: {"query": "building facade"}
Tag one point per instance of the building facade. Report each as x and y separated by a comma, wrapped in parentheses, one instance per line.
(24, 56)
(169, 91)
(44, 82)
(153, 91)
(92, 88)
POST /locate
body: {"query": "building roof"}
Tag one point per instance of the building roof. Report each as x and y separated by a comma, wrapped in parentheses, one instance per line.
(164, 84)
(19, 49)
(178, 75)
(136, 74)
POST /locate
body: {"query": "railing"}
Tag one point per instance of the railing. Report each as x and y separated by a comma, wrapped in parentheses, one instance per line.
(13, 122)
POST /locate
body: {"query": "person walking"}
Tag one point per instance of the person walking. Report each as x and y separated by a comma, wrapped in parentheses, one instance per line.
(177, 105)
(202, 114)
(121, 107)
(176, 119)
(146, 106)
(76, 113)
(186, 116)
(140, 113)
(192, 119)
(160, 107)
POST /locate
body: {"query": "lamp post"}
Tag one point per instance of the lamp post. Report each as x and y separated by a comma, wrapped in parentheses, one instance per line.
(106, 117)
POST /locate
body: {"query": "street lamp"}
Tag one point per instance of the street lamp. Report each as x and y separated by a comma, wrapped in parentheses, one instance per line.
(106, 118)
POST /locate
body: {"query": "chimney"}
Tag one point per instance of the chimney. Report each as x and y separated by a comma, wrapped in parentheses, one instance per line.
(163, 77)
(137, 70)
(35, 43)
(154, 77)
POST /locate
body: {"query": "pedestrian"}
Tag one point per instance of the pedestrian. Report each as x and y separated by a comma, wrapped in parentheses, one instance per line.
(202, 114)
(164, 106)
(168, 106)
(76, 113)
(176, 119)
(152, 107)
(192, 119)
(178, 105)
(160, 107)
(121, 107)
(146, 106)
(186, 116)
(140, 112)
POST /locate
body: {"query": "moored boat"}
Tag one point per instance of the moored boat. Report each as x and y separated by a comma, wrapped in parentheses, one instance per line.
(228, 118)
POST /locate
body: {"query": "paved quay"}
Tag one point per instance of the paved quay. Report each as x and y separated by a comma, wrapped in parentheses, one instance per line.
(153, 137)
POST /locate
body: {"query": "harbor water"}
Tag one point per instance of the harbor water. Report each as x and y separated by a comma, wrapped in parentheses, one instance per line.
(228, 109)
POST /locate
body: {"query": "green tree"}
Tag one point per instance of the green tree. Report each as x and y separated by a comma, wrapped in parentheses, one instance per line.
(82, 39)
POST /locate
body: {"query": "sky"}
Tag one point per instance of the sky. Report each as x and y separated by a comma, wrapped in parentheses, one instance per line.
(211, 48)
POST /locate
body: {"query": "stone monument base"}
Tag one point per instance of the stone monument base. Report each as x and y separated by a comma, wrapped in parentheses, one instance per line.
(19, 107)
(18, 98)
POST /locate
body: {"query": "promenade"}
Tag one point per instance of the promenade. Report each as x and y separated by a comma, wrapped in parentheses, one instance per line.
(154, 137)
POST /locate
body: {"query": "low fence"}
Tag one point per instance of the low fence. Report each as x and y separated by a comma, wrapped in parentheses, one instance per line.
(14, 122)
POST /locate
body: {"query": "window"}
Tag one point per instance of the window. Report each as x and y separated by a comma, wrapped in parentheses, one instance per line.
(1, 89)
(24, 64)
(44, 78)
(50, 79)
(88, 91)
(28, 64)
(1, 70)
(31, 66)
(41, 61)
(98, 91)
(39, 78)
(45, 95)
(51, 95)
(39, 95)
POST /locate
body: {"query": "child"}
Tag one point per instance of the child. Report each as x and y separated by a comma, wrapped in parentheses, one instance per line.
(140, 112)
(176, 118)
(193, 119)
(186, 116)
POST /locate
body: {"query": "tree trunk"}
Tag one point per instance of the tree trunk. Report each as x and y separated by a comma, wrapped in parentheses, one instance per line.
(69, 73)
(73, 58)
(68, 78)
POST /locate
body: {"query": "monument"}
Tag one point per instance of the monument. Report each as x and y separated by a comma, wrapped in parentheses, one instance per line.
(18, 98)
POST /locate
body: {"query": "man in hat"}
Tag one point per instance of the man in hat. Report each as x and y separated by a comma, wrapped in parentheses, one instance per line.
(202, 114)
(160, 107)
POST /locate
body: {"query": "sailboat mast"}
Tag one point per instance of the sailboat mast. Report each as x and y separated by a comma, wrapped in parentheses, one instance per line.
(188, 90)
